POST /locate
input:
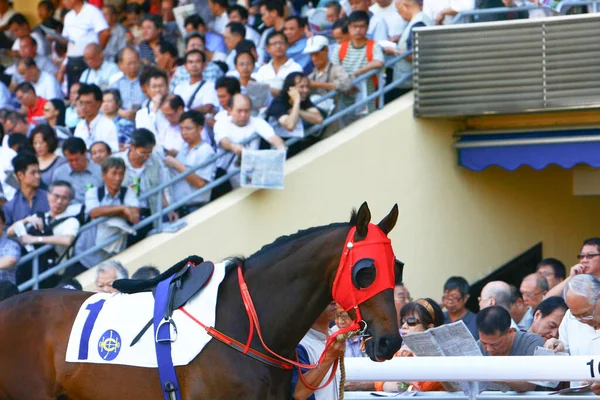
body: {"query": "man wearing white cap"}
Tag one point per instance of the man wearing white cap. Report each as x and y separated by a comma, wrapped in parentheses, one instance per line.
(325, 76)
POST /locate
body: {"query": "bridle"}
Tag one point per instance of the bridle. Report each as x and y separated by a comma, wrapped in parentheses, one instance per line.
(376, 247)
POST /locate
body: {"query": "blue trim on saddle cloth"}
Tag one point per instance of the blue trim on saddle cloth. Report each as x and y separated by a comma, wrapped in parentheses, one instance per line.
(162, 341)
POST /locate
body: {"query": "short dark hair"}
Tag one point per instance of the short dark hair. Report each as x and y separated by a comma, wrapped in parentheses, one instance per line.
(299, 20)
(133, 8)
(28, 62)
(550, 304)
(245, 46)
(195, 20)
(112, 162)
(156, 73)
(20, 140)
(92, 89)
(341, 24)
(274, 33)
(48, 136)
(60, 106)
(237, 28)
(165, 46)
(25, 87)
(22, 161)
(74, 145)
(358, 16)
(116, 95)
(142, 137)
(223, 3)
(457, 282)
(493, 320)
(196, 116)
(146, 272)
(59, 183)
(126, 48)
(595, 241)
(108, 149)
(239, 53)
(277, 5)
(48, 4)
(113, 9)
(194, 35)
(155, 19)
(336, 5)
(243, 11)
(231, 84)
(18, 19)
(174, 101)
(515, 294)
(559, 269)
(423, 313)
(189, 53)
(2, 217)
(8, 289)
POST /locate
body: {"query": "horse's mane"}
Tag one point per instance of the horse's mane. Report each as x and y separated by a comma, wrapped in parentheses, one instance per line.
(283, 240)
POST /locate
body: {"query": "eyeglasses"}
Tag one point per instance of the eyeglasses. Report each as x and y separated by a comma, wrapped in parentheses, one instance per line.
(531, 295)
(588, 317)
(59, 197)
(587, 256)
(342, 316)
(277, 43)
(454, 299)
(546, 273)
(410, 321)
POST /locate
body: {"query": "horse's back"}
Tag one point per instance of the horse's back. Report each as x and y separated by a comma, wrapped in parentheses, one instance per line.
(34, 332)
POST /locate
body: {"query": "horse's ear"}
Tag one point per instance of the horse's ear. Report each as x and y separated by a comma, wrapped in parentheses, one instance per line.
(362, 220)
(389, 221)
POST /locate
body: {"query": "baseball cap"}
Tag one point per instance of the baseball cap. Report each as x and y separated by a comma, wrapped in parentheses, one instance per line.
(315, 43)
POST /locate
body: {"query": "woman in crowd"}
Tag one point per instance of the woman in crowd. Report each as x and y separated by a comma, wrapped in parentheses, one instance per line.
(111, 103)
(44, 142)
(417, 316)
(10, 252)
(291, 109)
(54, 113)
(71, 116)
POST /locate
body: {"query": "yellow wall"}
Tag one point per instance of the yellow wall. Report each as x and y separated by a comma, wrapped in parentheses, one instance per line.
(29, 9)
(452, 221)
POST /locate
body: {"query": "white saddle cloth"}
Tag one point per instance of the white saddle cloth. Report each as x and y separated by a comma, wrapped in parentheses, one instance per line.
(122, 317)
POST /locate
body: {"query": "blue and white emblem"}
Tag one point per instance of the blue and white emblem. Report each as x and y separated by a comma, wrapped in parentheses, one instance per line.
(109, 345)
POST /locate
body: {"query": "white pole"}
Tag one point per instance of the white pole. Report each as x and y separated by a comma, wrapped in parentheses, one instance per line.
(540, 368)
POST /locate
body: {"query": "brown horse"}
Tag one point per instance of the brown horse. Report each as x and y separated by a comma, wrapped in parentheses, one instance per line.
(291, 284)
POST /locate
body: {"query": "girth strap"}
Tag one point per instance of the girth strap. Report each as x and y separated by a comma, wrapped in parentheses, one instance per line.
(162, 342)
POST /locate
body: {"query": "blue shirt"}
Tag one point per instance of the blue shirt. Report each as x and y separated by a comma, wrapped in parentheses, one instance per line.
(295, 52)
(131, 92)
(469, 320)
(214, 42)
(19, 208)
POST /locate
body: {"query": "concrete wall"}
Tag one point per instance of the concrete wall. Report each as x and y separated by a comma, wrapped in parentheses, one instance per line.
(452, 221)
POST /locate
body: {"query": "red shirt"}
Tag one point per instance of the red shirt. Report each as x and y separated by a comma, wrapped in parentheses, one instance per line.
(36, 111)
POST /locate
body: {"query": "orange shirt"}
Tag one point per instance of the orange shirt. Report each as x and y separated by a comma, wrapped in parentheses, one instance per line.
(36, 111)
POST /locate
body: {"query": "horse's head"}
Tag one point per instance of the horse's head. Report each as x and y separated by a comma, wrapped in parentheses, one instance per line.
(365, 281)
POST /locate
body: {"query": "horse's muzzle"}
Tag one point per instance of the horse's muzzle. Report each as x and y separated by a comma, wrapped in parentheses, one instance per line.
(383, 348)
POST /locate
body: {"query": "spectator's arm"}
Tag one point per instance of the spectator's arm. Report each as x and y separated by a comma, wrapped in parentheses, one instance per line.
(205, 109)
(521, 386)
(375, 64)
(108, 211)
(277, 142)
(315, 376)
(322, 85)
(312, 116)
(228, 145)
(178, 166)
(289, 121)
(55, 240)
(8, 262)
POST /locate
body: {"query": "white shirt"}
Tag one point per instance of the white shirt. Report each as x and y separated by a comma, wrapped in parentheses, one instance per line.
(47, 87)
(219, 23)
(101, 129)
(314, 344)
(83, 28)
(4, 96)
(101, 76)
(267, 74)
(432, 8)
(253, 35)
(6, 156)
(579, 339)
(167, 135)
(206, 95)
(42, 45)
(191, 158)
(68, 227)
(390, 14)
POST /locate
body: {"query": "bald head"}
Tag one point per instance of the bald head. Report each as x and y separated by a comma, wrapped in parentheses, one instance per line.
(241, 109)
(533, 288)
(495, 293)
(93, 56)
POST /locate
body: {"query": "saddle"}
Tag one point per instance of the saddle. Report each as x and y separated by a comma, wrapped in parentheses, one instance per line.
(190, 275)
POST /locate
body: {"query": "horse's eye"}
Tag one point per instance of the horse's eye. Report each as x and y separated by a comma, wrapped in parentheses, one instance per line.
(364, 273)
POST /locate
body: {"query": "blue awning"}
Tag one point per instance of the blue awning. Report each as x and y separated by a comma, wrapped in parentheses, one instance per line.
(537, 150)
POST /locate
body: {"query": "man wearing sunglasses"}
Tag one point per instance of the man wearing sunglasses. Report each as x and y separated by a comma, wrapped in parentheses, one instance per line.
(589, 263)
(579, 330)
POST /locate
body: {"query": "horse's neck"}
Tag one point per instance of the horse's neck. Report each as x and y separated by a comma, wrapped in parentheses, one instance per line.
(292, 291)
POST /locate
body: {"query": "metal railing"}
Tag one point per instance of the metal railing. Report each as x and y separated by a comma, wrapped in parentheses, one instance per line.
(157, 217)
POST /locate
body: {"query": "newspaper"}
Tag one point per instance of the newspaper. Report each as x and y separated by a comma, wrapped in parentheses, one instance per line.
(258, 93)
(262, 169)
(452, 340)
(542, 351)
(181, 13)
(53, 34)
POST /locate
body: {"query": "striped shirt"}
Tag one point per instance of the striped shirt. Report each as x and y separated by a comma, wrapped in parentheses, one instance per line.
(131, 92)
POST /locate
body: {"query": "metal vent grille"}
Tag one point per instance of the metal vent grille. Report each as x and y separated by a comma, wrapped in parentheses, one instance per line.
(507, 67)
